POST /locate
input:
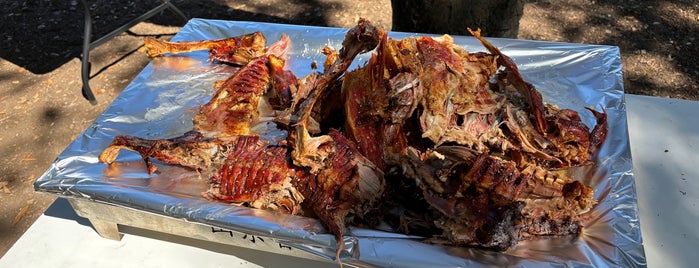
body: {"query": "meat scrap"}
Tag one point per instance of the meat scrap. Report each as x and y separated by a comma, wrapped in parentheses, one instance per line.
(426, 136)
(237, 50)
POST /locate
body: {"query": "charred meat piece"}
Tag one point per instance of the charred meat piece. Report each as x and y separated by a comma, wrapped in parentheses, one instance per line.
(571, 136)
(346, 183)
(234, 107)
(237, 50)
(242, 169)
(345, 189)
(451, 81)
(487, 201)
(364, 124)
(599, 133)
(250, 171)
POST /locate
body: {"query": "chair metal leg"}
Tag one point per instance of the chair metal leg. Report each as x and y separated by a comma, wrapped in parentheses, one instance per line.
(85, 70)
(175, 10)
(89, 45)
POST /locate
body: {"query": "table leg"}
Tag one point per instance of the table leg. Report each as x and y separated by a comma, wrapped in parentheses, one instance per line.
(106, 229)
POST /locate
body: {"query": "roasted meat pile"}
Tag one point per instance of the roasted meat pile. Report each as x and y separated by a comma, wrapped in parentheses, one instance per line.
(426, 137)
(485, 155)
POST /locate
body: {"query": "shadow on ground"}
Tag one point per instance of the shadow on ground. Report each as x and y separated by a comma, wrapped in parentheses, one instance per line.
(657, 39)
(41, 36)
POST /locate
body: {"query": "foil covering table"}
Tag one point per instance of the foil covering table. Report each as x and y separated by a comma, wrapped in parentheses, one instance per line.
(161, 100)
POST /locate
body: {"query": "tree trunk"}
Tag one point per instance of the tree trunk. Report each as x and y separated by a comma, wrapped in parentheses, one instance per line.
(495, 18)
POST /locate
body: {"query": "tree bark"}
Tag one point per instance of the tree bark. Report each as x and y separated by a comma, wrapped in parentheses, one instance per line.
(495, 18)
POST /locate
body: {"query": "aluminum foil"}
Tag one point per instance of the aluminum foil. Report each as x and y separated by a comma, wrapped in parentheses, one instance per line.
(161, 100)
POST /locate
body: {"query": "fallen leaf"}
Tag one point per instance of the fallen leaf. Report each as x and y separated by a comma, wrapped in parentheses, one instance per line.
(28, 157)
(22, 212)
(3, 186)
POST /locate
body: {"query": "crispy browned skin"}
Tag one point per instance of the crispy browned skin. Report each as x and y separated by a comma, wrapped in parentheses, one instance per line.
(234, 105)
(202, 153)
(260, 175)
(362, 122)
(237, 50)
(599, 133)
(233, 108)
(348, 186)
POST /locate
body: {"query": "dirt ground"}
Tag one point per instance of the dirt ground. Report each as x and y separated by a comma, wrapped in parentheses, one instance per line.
(42, 110)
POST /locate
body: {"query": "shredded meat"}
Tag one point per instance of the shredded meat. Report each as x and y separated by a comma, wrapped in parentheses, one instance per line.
(427, 137)
(486, 157)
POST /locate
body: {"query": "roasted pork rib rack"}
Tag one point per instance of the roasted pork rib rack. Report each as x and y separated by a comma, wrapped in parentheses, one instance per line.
(426, 136)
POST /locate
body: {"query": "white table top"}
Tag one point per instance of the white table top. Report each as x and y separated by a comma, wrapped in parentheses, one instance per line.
(60, 238)
(664, 134)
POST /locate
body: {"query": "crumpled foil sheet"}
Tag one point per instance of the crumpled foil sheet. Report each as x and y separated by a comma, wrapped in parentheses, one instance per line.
(161, 100)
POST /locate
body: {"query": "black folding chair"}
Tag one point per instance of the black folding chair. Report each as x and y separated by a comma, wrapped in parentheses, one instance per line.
(88, 45)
